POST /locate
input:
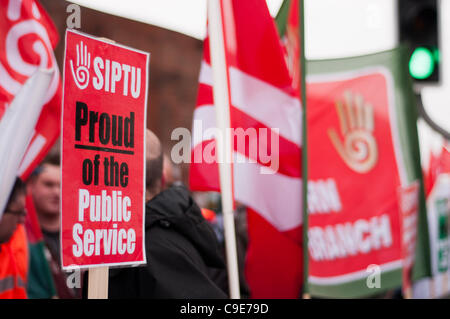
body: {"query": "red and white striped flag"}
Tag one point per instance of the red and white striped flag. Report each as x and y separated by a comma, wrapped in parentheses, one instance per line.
(265, 113)
(27, 40)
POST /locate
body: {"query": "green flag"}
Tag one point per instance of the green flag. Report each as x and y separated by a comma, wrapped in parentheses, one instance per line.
(40, 283)
(290, 24)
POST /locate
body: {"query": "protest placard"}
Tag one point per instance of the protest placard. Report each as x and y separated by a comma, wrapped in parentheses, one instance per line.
(103, 153)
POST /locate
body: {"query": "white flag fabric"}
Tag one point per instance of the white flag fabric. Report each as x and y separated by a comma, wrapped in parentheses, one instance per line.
(17, 128)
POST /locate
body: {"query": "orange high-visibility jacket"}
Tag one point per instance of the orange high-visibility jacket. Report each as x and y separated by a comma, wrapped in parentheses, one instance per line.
(14, 266)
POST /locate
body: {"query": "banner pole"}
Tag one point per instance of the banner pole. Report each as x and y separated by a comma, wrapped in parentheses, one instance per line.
(223, 142)
(306, 293)
(98, 283)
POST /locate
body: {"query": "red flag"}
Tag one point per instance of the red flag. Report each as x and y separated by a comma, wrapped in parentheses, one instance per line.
(27, 40)
(291, 43)
(265, 113)
(438, 164)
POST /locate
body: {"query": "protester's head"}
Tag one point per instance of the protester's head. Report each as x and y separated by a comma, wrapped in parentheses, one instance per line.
(44, 187)
(154, 165)
(167, 171)
(14, 213)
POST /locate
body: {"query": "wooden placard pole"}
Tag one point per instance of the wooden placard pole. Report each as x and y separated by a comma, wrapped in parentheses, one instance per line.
(407, 293)
(98, 283)
(99, 276)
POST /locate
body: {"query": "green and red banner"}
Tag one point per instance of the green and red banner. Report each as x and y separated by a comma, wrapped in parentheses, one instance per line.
(362, 147)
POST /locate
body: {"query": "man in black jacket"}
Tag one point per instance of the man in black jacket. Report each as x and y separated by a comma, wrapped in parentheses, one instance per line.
(181, 246)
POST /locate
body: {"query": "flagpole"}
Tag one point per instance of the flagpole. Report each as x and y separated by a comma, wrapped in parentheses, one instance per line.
(223, 140)
(17, 127)
(306, 293)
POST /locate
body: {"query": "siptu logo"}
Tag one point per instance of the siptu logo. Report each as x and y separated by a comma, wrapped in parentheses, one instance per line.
(81, 73)
(358, 148)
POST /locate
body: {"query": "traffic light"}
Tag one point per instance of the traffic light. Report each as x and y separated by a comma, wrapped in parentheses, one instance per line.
(419, 27)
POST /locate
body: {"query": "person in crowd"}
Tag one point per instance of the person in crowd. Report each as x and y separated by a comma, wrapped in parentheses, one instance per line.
(180, 245)
(44, 188)
(220, 276)
(13, 246)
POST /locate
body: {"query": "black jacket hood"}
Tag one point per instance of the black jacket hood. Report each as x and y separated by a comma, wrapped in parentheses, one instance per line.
(175, 208)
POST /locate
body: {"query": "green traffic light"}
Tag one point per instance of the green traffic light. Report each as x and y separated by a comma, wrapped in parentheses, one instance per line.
(422, 63)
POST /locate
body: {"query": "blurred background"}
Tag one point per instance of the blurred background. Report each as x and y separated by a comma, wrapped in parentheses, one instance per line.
(173, 30)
